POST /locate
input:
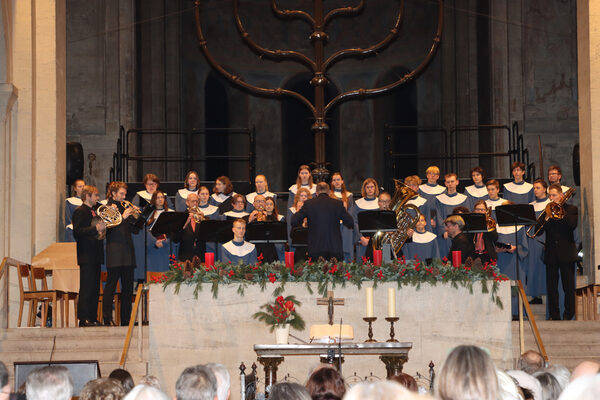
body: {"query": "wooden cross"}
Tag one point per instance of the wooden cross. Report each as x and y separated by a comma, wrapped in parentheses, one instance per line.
(330, 302)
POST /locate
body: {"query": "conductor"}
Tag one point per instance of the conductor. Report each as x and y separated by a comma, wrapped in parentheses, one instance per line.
(324, 214)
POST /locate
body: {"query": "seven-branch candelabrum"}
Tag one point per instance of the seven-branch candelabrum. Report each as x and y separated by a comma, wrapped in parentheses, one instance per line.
(317, 64)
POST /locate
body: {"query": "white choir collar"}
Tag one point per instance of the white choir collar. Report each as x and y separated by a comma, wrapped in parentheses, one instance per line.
(477, 192)
(250, 196)
(424, 237)
(145, 195)
(236, 214)
(184, 193)
(239, 251)
(508, 230)
(417, 201)
(339, 194)
(540, 205)
(76, 201)
(518, 188)
(208, 209)
(294, 188)
(432, 190)
(453, 200)
(365, 204)
(221, 197)
(494, 203)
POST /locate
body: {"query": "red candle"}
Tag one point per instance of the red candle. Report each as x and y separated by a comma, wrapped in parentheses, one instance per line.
(209, 259)
(377, 256)
(456, 258)
(289, 259)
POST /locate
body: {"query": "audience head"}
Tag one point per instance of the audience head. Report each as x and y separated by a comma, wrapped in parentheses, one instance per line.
(49, 383)
(223, 380)
(150, 380)
(550, 387)
(585, 368)
(196, 383)
(322, 187)
(103, 389)
(530, 362)
(561, 373)
(584, 388)
(528, 382)
(406, 380)
(4, 385)
(507, 387)
(144, 392)
(468, 374)
(326, 379)
(382, 390)
(124, 377)
(288, 391)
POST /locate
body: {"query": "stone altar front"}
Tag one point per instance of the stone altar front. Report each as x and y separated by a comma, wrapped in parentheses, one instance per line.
(186, 331)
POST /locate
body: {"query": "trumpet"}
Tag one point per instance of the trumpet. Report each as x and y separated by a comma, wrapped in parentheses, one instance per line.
(136, 211)
(491, 224)
(197, 214)
(553, 210)
(261, 215)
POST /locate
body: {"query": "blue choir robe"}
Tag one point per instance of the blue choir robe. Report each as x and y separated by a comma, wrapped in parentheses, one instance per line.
(70, 205)
(347, 233)
(238, 252)
(476, 193)
(181, 197)
(294, 188)
(424, 208)
(430, 191)
(142, 194)
(494, 204)
(250, 199)
(360, 205)
(507, 262)
(518, 193)
(536, 269)
(444, 205)
(216, 199)
(156, 259)
(424, 245)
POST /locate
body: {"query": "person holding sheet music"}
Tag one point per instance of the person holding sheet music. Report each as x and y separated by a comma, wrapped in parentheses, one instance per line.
(158, 248)
(70, 205)
(190, 185)
(238, 250)
(90, 255)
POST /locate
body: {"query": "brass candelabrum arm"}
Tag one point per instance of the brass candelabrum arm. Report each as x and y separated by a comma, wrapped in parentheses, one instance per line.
(237, 80)
(364, 93)
(292, 14)
(278, 55)
(343, 12)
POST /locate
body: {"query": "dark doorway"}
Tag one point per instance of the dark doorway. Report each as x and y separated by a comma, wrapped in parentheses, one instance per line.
(396, 119)
(216, 111)
(298, 139)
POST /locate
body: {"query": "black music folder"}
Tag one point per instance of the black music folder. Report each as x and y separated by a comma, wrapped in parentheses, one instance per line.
(266, 232)
(377, 221)
(169, 222)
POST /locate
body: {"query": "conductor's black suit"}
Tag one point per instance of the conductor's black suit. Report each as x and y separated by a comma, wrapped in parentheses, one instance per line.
(324, 215)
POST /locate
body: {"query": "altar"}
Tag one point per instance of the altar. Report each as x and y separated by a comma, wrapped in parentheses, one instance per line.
(185, 330)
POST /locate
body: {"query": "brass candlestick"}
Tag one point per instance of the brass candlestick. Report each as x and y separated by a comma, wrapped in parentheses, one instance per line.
(391, 320)
(370, 321)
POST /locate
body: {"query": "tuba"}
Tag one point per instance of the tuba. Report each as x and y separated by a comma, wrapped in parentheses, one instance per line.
(111, 217)
(407, 217)
(553, 211)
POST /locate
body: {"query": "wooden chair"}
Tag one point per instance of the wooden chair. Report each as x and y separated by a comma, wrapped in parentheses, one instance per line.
(29, 292)
(587, 296)
(116, 299)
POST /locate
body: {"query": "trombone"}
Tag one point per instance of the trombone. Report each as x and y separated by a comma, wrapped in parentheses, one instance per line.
(553, 210)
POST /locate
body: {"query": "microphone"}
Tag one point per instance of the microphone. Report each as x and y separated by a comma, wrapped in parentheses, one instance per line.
(340, 349)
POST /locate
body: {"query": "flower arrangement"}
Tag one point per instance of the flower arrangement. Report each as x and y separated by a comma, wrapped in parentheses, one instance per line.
(280, 312)
(329, 274)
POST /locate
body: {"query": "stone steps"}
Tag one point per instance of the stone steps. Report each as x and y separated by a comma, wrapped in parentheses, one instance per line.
(104, 344)
(566, 342)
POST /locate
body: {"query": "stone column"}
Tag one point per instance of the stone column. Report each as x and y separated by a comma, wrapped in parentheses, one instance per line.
(588, 53)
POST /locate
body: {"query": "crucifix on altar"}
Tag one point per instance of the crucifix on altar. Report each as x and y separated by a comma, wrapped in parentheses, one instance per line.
(319, 63)
(330, 302)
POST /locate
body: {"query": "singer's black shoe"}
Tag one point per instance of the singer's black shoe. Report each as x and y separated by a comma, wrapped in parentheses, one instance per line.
(87, 322)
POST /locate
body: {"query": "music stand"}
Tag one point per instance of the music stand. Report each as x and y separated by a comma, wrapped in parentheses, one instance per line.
(513, 215)
(211, 230)
(266, 232)
(474, 222)
(374, 221)
(169, 222)
(299, 236)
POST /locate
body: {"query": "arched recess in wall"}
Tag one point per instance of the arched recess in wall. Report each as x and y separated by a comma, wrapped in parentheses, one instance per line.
(298, 141)
(396, 116)
(224, 107)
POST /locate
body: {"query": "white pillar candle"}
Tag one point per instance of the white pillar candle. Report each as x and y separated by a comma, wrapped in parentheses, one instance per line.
(369, 295)
(391, 302)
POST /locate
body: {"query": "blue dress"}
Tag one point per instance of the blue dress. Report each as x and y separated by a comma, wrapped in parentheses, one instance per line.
(347, 233)
(507, 262)
(294, 188)
(424, 245)
(518, 193)
(360, 205)
(429, 191)
(238, 252)
(181, 197)
(536, 270)
(444, 205)
(476, 193)
(70, 205)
